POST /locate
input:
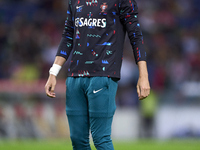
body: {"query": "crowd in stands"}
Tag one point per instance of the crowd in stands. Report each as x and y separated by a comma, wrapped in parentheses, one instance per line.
(39, 120)
(30, 31)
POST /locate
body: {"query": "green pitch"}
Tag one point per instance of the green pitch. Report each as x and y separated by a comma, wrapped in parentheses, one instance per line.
(119, 145)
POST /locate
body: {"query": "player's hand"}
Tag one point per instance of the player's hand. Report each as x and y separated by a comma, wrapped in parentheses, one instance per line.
(143, 88)
(50, 86)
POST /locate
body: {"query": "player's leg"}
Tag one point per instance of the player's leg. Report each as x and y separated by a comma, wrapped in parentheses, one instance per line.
(78, 118)
(101, 132)
(101, 97)
(79, 132)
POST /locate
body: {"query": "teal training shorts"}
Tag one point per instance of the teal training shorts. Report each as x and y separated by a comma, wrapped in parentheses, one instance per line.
(93, 96)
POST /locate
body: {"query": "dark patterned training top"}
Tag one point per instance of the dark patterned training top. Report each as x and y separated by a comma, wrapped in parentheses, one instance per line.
(95, 32)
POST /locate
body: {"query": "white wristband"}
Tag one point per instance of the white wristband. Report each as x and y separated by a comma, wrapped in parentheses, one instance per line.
(54, 70)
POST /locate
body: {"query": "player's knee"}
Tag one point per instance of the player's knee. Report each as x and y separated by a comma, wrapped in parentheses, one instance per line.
(74, 139)
(102, 141)
(78, 142)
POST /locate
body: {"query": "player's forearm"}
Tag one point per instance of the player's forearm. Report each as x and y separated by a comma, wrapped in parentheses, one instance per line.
(59, 60)
(143, 87)
(58, 63)
(142, 66)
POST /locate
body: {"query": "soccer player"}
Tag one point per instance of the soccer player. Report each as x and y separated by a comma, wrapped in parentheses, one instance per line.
(94, 33)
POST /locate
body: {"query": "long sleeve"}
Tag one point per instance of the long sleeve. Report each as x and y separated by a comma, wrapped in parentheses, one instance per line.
(66, 42)
(129, 19)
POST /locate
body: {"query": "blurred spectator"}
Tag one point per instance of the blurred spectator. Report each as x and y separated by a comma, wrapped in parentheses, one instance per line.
(24, 123)
(148, 109)
(3, 123)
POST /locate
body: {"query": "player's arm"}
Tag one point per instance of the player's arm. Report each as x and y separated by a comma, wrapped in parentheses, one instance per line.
(143, 87)
(63, 53)
(51, 82)
(129, 18)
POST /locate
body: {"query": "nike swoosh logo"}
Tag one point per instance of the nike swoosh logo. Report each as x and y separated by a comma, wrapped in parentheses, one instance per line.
(77, 7)
(97, 90)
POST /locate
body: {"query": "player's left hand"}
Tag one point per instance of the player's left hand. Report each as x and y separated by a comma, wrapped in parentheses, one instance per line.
(143, 88)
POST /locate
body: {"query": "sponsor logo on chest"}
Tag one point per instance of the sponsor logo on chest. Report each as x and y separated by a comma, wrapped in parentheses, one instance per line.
(94, 22)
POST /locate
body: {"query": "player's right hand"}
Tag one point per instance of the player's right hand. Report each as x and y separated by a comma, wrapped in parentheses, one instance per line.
(50, 86)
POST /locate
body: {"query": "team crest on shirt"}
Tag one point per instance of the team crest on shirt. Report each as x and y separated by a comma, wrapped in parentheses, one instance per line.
(103, 7)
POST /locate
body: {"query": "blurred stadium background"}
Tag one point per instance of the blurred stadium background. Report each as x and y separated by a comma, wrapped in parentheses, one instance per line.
(30, 31)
